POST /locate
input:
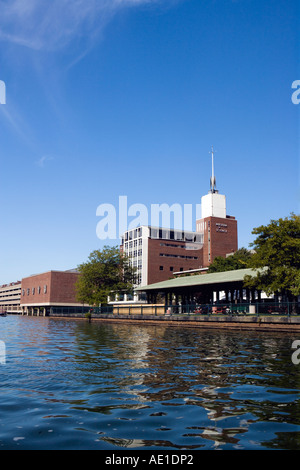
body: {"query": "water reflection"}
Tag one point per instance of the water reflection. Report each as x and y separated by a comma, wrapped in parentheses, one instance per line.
(113, 386)
(227, 381)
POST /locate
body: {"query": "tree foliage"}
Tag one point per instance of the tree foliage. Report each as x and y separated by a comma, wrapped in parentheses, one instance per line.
(277, 249)
(105, 272)
(239, 260)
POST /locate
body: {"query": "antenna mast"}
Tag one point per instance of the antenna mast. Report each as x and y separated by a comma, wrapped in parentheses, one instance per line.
(212, 179)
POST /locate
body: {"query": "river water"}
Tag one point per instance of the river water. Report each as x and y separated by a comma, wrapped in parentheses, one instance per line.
(67, 384)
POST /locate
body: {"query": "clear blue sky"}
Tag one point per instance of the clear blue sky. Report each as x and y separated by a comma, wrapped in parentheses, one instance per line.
(109, 98)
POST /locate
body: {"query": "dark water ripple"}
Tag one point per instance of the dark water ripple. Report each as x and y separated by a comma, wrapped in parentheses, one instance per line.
(75, 385)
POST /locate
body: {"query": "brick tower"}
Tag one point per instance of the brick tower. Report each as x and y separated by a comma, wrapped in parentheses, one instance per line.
(219, 229)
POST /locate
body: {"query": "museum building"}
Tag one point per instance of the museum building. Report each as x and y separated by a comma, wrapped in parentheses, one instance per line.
(159, 253)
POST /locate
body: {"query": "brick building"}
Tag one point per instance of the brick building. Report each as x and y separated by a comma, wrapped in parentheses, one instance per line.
(219, 229)
(157, 253)
(41, 292)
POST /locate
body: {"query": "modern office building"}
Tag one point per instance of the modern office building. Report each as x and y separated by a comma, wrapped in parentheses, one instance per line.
(157, 253)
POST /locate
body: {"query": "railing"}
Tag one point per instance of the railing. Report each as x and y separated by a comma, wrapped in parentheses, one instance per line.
(79, 311)
(231, 309)
(255, 308)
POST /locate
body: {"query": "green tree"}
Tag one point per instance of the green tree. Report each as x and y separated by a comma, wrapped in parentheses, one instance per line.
(239, 260)
(277, 257)
(105, 272)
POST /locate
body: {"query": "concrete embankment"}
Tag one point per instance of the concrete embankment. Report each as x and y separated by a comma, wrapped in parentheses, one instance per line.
(234, 322)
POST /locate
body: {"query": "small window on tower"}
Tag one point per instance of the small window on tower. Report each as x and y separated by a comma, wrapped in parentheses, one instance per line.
(161, 268)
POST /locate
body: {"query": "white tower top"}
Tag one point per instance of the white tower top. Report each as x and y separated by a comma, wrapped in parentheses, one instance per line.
(213, 204)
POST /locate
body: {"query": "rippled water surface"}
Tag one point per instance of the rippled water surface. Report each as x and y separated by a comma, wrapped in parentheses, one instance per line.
(75, 385)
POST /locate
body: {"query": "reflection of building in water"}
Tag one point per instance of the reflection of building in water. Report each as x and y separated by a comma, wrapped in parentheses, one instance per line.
(194, 385)
(137, 352)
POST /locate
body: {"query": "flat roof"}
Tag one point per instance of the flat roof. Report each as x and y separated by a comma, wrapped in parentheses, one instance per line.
(72, 271)
(200, 280)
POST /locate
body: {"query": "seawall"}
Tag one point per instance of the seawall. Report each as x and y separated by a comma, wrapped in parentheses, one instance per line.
(234, 322)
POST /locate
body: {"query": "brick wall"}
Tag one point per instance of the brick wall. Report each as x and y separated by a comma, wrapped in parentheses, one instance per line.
(48, 288)
(158, 247)
(223, 238)
(63, 287)
(36, 289)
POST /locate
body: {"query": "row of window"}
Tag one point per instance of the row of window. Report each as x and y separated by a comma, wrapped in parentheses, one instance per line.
(133, 234)
(33, 290)
(169, 234)
(172, 245)
(161, 268)
(137, 263)
(134, 243)
(5, 296)
(134, 253)
(167, 255)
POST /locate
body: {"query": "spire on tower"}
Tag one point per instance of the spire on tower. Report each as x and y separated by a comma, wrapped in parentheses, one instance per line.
(213, 178)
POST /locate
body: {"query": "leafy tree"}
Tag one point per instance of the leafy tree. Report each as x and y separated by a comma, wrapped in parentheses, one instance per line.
(105, 271)
(239, 260)
(277, 250)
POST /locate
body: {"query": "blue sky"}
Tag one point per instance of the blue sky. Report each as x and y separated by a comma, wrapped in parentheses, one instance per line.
(110, 98)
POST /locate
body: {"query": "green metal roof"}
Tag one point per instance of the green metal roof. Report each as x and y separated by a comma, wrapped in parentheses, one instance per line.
(200, 280)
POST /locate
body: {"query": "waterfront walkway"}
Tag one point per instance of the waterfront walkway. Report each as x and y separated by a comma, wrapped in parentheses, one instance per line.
(264, 317)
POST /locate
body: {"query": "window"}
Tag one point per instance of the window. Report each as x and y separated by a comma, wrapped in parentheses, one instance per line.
(39, 289)
(45, 289)
(171, 268)
(167, 255)
(161, 268)
(33, 290)
(28, 291)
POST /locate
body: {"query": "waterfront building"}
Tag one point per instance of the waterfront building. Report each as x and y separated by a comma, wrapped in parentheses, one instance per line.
(209, 289)
(10, 297)
(158, 253)
(42, 292)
